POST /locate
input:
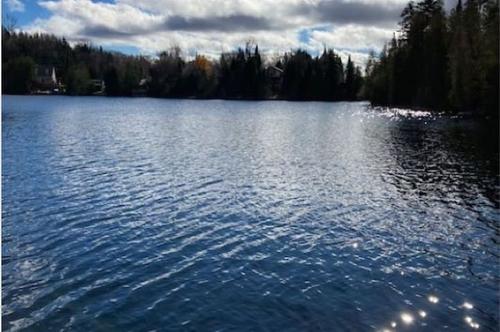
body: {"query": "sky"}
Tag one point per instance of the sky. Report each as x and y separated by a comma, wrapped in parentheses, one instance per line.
(210, 27)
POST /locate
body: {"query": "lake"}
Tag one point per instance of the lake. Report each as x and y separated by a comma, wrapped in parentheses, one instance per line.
(124, 214)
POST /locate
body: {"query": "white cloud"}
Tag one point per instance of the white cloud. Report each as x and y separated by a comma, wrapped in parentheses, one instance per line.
(214, 26)
(353, 37)
(15, 5)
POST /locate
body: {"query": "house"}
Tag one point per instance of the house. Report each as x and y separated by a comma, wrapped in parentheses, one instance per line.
(142, 89)
(275, 76)
(97, 86)
(45, 77)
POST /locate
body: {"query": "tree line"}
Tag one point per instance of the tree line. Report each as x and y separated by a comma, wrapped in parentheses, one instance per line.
(242, 74)
(440, 61)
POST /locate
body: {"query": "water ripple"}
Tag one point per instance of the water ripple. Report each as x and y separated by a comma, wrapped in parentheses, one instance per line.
(141, 214)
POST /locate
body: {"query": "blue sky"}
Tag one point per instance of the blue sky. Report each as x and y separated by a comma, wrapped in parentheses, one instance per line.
(24, 13)
(351, 27)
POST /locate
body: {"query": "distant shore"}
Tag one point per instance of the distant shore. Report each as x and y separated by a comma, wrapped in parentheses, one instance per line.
(273, 98)
(463, 114)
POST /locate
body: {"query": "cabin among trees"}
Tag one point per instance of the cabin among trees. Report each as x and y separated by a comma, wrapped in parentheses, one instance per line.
(274, 76)
(97, 87)
(45, 80)
(45, 75)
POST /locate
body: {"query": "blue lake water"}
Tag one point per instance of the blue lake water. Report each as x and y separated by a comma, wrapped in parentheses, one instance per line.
(167, 215)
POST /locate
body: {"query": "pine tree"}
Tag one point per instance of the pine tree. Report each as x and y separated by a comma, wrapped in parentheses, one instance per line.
(350, 80)
(474, 75)
(491, 56)
(440, 62)
(457, 58)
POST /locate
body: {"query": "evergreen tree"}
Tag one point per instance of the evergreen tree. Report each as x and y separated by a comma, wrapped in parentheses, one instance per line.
(112, 82)
(474, 73)
(350, 88)
(491, 56)
(440, 62)
(78, 80)
(18, 75)
(457, 58)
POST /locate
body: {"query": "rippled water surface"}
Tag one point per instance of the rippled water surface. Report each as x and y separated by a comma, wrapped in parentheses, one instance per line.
(167, 215)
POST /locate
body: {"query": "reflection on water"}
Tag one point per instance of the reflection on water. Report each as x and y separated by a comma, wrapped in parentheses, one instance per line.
(142, 214)
(433, 299)
(407, 318)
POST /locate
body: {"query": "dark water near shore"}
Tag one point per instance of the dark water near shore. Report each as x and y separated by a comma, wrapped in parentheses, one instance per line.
(143, 214)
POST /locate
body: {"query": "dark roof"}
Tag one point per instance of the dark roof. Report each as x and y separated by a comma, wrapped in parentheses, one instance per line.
(276, 68)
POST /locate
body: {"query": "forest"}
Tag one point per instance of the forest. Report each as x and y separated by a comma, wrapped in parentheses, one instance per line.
(437, 60)
(241, 74)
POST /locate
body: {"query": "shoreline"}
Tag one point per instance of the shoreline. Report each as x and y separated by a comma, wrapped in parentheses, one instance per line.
(469, 114)
(190, 98)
